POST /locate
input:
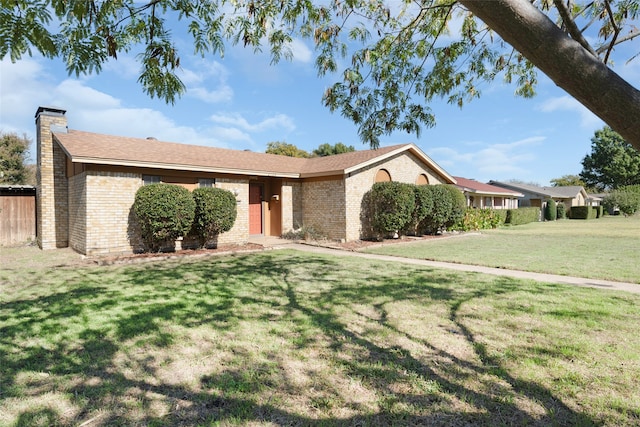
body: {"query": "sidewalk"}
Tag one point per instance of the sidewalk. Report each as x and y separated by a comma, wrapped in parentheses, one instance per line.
(541, 277)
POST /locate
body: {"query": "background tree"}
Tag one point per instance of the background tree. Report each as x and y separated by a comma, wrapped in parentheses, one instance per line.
(612, 163)
(13, 153)
(330, 150)
(401, 58)
(285, 149)
(568, 181)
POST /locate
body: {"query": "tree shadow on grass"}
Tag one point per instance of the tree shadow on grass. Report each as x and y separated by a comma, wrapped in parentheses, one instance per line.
(219, 293)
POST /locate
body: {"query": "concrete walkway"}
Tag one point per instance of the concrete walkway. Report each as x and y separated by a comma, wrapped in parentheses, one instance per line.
(277, 243)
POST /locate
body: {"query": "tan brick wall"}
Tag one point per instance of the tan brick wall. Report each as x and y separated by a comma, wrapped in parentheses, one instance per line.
(78, 213)
(102, 219)
(404, 167)
(51, 188)
(239, 234)
(323, 206)
(291, 205)
(110, 221)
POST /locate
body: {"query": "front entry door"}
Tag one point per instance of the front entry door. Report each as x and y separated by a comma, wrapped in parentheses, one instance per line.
(255, 209)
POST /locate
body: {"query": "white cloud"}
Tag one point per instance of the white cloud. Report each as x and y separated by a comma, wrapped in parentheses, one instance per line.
(207, 81)
(279, 121)
(493, 161)
(570, 104)
(81, 96)
(300, 51)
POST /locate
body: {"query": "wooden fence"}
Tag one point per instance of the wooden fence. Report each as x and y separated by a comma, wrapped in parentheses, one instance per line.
(17, 214)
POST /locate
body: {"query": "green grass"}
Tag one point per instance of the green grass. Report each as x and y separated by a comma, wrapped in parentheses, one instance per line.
(606, 248)
(288, 338)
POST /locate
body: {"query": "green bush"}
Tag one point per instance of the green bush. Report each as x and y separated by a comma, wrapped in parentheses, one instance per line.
(522, 216)
(625, 199)
(392, 205)
(437, 219)
(599, 211)
(458, 205)
(423, 205)
(165, 212)
(561, 211)
(215, 212)
(550, 210)
(481, 219)
(582, 212)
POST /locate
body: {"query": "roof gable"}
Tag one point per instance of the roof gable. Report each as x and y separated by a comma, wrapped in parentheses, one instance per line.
(87, 147)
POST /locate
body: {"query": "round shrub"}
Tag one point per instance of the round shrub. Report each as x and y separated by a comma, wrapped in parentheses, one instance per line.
(550, 210)
(165, 212)
(391, 206)
(561, 211)
(215, 212)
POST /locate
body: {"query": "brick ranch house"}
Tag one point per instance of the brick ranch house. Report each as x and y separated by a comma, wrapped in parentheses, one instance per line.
(87, 184)
(487, 196)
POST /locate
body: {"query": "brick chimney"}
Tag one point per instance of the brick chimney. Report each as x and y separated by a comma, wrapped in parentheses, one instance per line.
(51, 189)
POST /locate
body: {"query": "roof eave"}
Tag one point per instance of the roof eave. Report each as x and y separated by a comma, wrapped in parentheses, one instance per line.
(175, 166)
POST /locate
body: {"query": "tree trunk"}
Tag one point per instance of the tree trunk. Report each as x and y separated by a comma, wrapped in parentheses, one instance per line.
(564, 61)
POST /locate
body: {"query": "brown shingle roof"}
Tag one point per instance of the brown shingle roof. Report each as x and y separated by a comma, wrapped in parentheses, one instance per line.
(87, 147)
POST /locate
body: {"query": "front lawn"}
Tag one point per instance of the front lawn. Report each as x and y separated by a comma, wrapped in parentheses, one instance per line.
(605, 248)
(289, 338)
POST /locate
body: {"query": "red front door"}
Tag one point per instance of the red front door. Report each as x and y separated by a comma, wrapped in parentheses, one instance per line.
(255, 209)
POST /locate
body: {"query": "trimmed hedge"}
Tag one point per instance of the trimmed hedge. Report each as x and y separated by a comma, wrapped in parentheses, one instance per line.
(165, 212)
(550, 210)
(583, 212)
(423, 205)
(522, 216)
(392, 205)
(599, 211)
(215, 212)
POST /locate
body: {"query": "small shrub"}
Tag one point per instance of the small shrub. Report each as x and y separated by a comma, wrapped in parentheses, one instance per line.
(561, 211)
(215, 212)
(165, 212)
(480, 219)
(304, 232)
(550, 210)
(522, 215)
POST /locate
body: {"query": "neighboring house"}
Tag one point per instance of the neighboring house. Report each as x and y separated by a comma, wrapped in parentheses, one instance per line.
(482, 196)
(87, 184)
(535, 196)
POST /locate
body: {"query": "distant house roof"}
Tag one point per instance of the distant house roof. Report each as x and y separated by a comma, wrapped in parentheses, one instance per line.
(93, 148)
(473, 186)
(567, 192)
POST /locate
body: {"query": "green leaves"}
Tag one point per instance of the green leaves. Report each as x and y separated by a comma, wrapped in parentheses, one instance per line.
(401, 58)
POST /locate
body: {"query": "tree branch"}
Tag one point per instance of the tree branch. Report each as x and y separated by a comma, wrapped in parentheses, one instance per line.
(572, 28)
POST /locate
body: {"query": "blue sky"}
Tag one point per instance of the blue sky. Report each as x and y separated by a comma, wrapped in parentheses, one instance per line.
(242, 102)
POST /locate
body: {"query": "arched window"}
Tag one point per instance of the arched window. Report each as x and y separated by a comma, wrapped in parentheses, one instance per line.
(383, 176)
(422, 179)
